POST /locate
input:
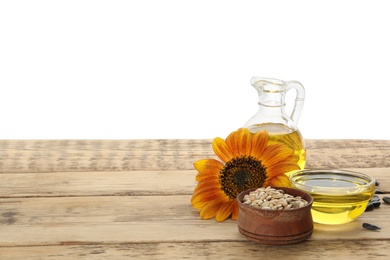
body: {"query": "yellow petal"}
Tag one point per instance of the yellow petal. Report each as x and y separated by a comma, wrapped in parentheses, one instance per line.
(207, 184)
(279, 181)
(225, 211)
(207, 168)
(221, 149)
(207, 192)
(209, 210)
(231, 141)
(282, 168)
(239, 142)
(235, 211)
(198, 201)
(275, 153)
(259, 143)
(243, 141)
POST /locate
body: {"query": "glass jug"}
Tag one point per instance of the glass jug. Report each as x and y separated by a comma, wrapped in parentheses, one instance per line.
(272, 116)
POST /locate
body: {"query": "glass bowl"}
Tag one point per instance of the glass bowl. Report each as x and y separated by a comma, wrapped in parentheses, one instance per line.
(340, 196)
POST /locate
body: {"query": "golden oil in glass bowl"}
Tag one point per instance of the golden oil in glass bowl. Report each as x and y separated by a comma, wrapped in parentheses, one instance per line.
(339, 196)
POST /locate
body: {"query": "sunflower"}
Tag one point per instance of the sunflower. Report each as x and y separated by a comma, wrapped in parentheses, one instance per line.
(247, 161)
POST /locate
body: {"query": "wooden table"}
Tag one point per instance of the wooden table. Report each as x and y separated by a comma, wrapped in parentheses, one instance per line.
(112, 199)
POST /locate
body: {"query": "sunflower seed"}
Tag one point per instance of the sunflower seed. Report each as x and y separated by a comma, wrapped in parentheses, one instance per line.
(375, 198)
(386, 199)
(272, 199)
(370, 227)
(370, 206)
(277, 196)
(265, 204)
(264, 196)
(247, 202)
(376, 204)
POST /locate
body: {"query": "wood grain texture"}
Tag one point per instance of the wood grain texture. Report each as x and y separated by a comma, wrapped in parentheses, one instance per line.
(100, 211)
(126, 183)
(135, 155)
(110, 199)
(337, 250)
(140, 219)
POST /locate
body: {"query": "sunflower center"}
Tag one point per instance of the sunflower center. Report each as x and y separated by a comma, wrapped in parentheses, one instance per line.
(242, 173)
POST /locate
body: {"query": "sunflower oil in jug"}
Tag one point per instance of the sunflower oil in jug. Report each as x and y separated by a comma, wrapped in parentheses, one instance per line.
(272, 116)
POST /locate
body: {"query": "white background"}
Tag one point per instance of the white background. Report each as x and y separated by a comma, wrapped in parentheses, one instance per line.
(181, 69)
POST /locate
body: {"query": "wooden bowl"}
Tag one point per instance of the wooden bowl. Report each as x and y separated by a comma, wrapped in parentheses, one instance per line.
(276, 227)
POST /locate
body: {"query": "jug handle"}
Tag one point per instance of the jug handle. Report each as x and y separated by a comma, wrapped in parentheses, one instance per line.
(299, 99)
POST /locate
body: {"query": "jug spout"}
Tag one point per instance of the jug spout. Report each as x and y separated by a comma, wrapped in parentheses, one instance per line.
(268, 84)
(271, 91)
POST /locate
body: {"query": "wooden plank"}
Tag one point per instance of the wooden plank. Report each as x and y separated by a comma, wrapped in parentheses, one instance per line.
(97, 183)
(140, 219)
(132, 155)
(114, 198)
(337, 250)
(132, 183)
(99, 155)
